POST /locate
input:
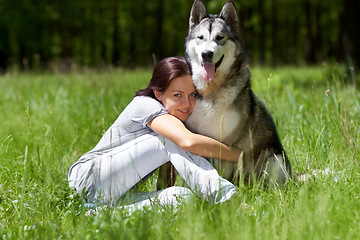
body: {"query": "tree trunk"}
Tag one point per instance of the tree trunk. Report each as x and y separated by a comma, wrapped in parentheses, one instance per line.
(351, 37)
(274, 35)
(262, 41)
(159, 29)
(309, 40)
(115, 58)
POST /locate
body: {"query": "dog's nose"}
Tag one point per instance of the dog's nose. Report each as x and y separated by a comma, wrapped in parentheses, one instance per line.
(207, 56)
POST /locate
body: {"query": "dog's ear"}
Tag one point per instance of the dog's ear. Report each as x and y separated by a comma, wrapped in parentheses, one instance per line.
(230, 15)
(198, 13)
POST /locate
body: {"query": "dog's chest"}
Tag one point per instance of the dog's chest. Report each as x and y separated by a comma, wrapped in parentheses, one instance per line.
(217, 120)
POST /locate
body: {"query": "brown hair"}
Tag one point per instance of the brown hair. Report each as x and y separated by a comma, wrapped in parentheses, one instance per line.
(165, 71)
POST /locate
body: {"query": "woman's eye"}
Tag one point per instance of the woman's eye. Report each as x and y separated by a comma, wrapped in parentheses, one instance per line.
(177, 95)
(193, 94)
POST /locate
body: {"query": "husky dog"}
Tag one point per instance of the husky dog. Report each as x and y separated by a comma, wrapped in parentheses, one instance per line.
(226, 108)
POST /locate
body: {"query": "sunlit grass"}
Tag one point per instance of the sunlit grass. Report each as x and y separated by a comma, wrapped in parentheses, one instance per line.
(49, 120)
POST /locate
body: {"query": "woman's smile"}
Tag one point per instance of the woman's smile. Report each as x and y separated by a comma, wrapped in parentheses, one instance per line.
(179, 98)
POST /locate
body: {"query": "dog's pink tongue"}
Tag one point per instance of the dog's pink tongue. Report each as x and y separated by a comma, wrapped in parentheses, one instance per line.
(209, 71)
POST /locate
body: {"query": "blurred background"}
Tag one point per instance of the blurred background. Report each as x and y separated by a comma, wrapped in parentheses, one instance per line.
(70, 34)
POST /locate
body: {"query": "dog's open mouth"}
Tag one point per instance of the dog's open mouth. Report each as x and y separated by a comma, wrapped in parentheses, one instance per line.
(209, 69)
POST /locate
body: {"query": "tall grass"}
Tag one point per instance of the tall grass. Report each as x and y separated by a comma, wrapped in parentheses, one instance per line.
(49, 120)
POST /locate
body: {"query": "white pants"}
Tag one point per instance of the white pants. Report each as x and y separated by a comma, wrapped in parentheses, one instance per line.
(106, 177)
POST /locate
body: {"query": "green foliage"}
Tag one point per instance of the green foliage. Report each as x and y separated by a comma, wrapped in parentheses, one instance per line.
(64, 34)
(49, 120)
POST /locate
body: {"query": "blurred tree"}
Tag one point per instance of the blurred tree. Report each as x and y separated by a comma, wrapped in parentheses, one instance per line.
(115, 58)
(159, 20)
(69, 33)
(351, 31)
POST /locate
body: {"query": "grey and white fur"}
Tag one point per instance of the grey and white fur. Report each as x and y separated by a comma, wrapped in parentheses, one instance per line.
(226, 108)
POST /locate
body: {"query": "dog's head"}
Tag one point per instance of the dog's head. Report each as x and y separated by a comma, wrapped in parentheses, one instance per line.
(212, 44)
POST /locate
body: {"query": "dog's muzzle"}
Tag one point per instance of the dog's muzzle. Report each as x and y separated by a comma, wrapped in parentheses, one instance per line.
(219, 62)
(209, 68)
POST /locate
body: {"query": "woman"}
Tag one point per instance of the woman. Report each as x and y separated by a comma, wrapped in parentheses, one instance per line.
(149, 133)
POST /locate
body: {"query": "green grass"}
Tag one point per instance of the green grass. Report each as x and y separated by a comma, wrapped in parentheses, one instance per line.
(49, 120)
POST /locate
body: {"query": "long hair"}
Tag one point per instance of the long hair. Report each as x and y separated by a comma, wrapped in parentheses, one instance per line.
(165, 71)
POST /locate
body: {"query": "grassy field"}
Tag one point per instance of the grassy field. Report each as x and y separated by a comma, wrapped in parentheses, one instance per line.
(49, 120)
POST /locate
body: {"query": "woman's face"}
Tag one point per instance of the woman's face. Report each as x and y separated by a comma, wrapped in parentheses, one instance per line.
(179, 97)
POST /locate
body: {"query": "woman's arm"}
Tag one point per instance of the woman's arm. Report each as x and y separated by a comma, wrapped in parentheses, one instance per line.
(173, 129)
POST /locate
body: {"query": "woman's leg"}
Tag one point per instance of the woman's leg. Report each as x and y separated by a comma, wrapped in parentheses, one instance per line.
(113, 173)
(172, 196)
(199, 174)
(109, 175)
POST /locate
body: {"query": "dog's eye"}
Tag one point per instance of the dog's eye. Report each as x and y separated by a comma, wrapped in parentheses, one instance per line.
(200, 37)
(219, 37)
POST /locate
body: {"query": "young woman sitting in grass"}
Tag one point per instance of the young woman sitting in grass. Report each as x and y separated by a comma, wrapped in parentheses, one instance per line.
(149, 133)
